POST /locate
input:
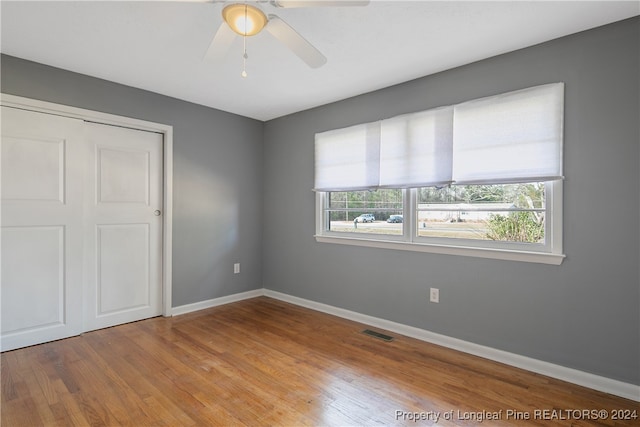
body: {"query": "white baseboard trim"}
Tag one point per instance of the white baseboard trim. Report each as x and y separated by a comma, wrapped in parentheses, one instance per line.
(188, 308)
(585, 379)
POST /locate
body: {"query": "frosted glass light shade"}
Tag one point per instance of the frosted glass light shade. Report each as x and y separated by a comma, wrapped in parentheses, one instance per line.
(244, 19)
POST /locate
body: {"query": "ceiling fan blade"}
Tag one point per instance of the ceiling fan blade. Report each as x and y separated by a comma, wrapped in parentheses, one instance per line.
(294, 41)
(318, 3)
(220, 44)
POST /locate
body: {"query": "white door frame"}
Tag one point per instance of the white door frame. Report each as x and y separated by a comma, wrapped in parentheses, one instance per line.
(111, 119)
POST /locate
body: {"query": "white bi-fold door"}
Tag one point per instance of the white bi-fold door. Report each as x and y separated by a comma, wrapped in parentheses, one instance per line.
(81, 228)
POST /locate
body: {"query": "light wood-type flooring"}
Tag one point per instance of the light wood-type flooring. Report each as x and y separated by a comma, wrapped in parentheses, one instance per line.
(266, 362)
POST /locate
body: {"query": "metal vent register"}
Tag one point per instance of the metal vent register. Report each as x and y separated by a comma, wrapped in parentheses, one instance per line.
(377, 335)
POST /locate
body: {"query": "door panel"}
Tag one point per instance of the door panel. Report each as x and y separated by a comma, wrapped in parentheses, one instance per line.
(123, 176)
(123, 265)
(124, 247)
(34, 169)
(41, 236)
(33, 278)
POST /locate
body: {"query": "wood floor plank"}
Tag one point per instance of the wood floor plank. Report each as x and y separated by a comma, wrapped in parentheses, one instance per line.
(265, 362)
(22, 411)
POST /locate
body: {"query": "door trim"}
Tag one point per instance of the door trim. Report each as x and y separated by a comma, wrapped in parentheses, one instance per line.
(115, 120)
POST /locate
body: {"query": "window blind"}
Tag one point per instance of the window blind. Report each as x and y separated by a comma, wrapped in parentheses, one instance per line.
(508, 138)
(416, 149)
(348, 159)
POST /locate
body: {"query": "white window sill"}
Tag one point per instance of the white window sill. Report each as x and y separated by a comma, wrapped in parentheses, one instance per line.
(502, 254)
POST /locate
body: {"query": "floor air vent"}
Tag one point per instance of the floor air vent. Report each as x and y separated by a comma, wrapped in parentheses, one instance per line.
(377, 335)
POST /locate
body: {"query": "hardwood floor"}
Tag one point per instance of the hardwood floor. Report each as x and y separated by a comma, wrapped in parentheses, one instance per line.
(265, 362)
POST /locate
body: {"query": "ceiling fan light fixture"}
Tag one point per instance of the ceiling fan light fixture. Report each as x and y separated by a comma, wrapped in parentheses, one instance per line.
(244, 19)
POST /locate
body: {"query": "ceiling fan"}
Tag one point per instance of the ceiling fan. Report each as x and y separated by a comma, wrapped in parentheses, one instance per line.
(247, 19)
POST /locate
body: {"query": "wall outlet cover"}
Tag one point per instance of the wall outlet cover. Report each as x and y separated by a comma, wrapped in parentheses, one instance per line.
(434, 295)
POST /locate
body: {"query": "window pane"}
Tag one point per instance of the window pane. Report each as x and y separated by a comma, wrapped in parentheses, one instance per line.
(507, 212)
(375, 211)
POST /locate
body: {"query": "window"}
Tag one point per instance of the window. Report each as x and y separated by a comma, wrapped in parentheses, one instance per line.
(512, 213)
(365, 212)
(481, 178)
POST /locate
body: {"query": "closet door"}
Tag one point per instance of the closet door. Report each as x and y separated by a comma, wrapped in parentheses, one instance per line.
(123, 237)
(81, 226)
(41, 227)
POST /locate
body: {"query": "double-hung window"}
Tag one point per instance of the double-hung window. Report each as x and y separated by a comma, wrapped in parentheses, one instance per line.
(481, 178)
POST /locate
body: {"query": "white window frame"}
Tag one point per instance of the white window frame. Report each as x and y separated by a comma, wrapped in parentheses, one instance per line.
(322, 226)
(549, 253)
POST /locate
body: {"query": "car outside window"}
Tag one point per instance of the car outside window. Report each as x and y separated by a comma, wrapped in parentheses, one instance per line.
(364, 212)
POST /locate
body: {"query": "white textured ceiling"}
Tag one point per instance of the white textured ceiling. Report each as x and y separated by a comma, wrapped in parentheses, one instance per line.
(159, 46)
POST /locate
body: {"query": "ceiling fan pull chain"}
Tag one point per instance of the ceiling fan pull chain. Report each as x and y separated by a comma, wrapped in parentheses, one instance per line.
(244, 43)
(244, 59)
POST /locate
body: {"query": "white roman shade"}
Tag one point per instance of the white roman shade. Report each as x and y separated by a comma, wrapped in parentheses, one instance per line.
(508, 138)
(512, 137)
(348, 159)
(416, 149)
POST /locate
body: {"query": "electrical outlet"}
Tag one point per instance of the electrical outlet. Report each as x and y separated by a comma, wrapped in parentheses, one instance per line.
(434, 295)
(236, 268)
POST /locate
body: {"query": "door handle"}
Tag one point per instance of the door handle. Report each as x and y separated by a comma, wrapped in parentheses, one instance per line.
(157, 212)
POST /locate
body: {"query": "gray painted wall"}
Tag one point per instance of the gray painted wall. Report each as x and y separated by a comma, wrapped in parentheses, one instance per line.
(583, 314)
(217, 203)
